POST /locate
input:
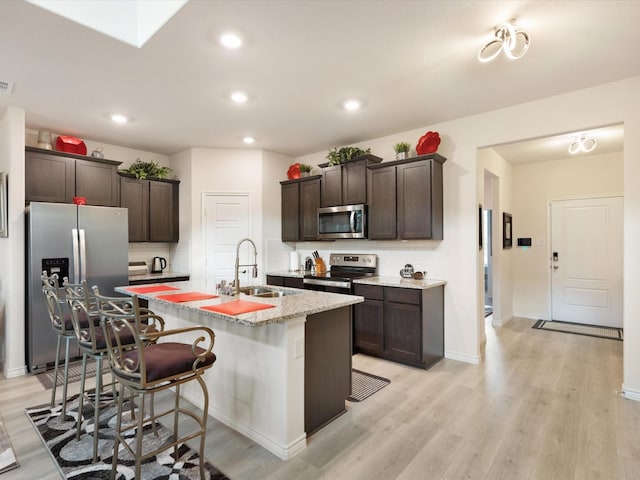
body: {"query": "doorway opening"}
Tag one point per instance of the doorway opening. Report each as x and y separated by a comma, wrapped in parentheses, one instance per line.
(487, 221)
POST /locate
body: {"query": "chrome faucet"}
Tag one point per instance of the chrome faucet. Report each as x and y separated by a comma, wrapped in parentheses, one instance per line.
(254, 264)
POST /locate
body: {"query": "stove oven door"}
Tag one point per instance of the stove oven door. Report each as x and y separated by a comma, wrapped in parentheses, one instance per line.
(323, 285)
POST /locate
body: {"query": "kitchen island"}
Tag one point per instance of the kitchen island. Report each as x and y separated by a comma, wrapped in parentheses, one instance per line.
(282, 372)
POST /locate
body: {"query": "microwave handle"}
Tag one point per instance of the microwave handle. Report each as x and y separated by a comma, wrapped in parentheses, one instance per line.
(352, 221)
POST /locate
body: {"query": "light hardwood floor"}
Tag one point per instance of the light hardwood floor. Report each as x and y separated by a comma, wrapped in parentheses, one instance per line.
(542, 405)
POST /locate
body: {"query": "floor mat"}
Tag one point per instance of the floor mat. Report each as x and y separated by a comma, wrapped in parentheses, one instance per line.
(8, 459)
(363, 385)
(75, 372)
(74, 457)
(580, 329)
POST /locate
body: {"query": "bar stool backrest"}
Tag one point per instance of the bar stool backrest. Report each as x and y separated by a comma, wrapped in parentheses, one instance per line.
(84, 312)
(56, 303)
(122, 321)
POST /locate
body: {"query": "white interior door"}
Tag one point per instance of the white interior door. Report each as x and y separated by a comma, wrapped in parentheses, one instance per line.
(226, 223)
(586, 261)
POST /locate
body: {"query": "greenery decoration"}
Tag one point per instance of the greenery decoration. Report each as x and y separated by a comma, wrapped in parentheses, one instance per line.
(147, 170)
(402, 147)
(305, 168)
(338, 155)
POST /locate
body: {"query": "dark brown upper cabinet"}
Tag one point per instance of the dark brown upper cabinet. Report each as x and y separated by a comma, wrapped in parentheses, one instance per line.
(346, 184)
(405, 199)
(153, 209)
(300, 203)
(58, 177)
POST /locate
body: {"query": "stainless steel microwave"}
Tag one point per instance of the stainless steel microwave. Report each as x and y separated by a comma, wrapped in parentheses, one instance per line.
(345, 221)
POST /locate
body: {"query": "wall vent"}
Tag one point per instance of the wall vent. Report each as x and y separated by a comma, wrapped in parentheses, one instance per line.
(5, 87)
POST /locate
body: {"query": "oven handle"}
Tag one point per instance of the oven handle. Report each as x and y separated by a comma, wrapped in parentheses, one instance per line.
(326, 283)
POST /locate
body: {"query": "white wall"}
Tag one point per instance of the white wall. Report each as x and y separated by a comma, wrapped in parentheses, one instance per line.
(276, 253)
(111, 152)
(502, 181)
(225, 171)
(12, 274)
(535, 185)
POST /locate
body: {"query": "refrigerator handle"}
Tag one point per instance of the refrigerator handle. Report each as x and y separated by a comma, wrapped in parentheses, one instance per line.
(83, 256)
(76, 257)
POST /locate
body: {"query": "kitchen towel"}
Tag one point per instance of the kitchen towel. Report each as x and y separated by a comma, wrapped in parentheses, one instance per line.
(294, 261)
(151, 289)
(186, 297)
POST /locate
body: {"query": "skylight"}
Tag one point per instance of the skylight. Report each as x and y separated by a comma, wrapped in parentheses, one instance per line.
(130, 21)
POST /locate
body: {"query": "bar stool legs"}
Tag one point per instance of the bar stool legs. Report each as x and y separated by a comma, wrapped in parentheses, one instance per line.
(67, 339)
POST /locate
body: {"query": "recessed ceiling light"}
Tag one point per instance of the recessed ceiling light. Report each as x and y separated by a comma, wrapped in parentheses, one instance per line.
(351, 105)
(117, 118)
(239, 97)
(230, 41)
(249, 140)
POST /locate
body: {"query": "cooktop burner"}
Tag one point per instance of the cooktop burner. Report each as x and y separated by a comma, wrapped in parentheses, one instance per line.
(346, 266)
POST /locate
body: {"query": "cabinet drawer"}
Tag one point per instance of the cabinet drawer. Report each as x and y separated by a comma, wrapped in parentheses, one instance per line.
(369, 291)
(403, 295)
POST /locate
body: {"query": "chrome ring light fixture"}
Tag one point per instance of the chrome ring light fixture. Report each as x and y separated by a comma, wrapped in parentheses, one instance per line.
(506, 38)
(582, 144)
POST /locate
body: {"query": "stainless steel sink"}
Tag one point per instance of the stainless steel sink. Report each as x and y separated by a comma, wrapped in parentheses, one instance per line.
(265, 292)
(271, 294)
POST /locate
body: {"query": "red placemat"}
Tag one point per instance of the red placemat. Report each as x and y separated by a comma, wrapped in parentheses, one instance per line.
(151, 289)
(236, 307)
(186, 297)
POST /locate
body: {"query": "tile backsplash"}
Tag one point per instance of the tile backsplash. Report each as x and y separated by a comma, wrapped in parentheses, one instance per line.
(144, 252)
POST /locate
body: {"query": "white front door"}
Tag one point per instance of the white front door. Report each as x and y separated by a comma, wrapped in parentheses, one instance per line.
(226, 223)
(586, 261)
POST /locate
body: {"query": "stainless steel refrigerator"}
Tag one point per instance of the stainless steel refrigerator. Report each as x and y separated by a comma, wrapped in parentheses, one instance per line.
(76, 241)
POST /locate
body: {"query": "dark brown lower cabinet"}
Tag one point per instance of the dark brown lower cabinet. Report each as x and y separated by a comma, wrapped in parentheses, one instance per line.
(282, 281)
(327, 367)
(401, 324)
(368, 321)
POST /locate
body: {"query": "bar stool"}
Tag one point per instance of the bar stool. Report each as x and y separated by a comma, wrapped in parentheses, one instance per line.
(153, 367)
(92, 341)
(62, 326)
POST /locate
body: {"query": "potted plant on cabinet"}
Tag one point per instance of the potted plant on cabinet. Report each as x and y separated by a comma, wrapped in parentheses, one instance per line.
(402, 150)
(305, 170)
(144, 170)
(337, 156)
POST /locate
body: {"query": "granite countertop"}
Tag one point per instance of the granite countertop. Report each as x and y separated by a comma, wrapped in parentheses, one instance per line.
(297, 304)
(158, 276)
(401, 282)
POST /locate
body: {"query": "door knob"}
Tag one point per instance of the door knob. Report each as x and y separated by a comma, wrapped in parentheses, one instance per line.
(555, 267)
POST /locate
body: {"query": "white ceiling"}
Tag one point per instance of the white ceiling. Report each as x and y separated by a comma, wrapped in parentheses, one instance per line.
(413, 64)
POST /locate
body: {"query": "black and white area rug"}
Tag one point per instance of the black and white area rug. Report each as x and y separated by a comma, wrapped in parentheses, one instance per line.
(580, 329)
(74, 457)
(8, 459)
(363, 385)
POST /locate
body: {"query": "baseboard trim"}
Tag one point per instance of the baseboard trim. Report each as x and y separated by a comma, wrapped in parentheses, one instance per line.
(473, 359)
(16, 372)
(630, 393)
(531, 316)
